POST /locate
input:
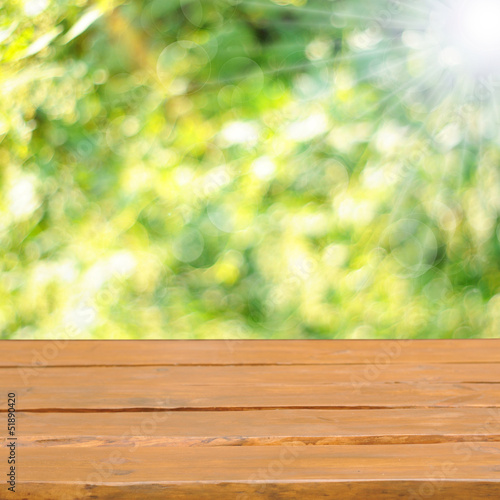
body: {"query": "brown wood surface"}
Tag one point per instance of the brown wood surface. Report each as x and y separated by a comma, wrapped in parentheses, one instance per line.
(245, 352)
(253, 419)
(258, 427)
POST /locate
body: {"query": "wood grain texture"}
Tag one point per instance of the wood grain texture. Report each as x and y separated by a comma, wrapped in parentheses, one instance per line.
(77, 392)
(326, 467)
(258, 427)
(246, 387)
(254, 419)
(271, 374)
(239, 464)
(390, 489)
(245, 352)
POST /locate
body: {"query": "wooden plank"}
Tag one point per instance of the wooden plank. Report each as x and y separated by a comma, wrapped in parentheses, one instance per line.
(254, 352)
(205, 388)
(310, 490)
(297, 375)
(265, 471)
(138, 396)
(257, 427)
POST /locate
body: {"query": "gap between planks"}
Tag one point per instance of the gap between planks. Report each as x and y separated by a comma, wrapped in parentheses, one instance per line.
(238, 409)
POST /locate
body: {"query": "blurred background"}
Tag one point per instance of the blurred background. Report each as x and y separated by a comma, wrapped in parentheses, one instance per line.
(246, 169)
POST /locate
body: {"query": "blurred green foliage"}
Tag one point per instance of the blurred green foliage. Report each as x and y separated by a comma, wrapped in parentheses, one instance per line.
(218, 169)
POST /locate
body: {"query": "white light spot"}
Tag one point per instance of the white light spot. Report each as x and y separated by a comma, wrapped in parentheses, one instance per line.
(413, 39)
(80, 318)
(35, 7)
(480, 21)
(239, 133)
(389, 137)
(263, 167)
(309, 128)
(42, 42)
(450, 57)
(23, 200)
(318, 49)
(123, 263)
(88, 17)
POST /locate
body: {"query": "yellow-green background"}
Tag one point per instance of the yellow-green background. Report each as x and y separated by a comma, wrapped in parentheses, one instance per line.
(238, 170)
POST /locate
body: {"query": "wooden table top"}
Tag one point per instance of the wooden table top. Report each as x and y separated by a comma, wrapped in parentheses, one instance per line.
(348, 419)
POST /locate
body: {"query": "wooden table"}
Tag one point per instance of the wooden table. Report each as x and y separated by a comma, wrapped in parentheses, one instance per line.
(253, 419)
